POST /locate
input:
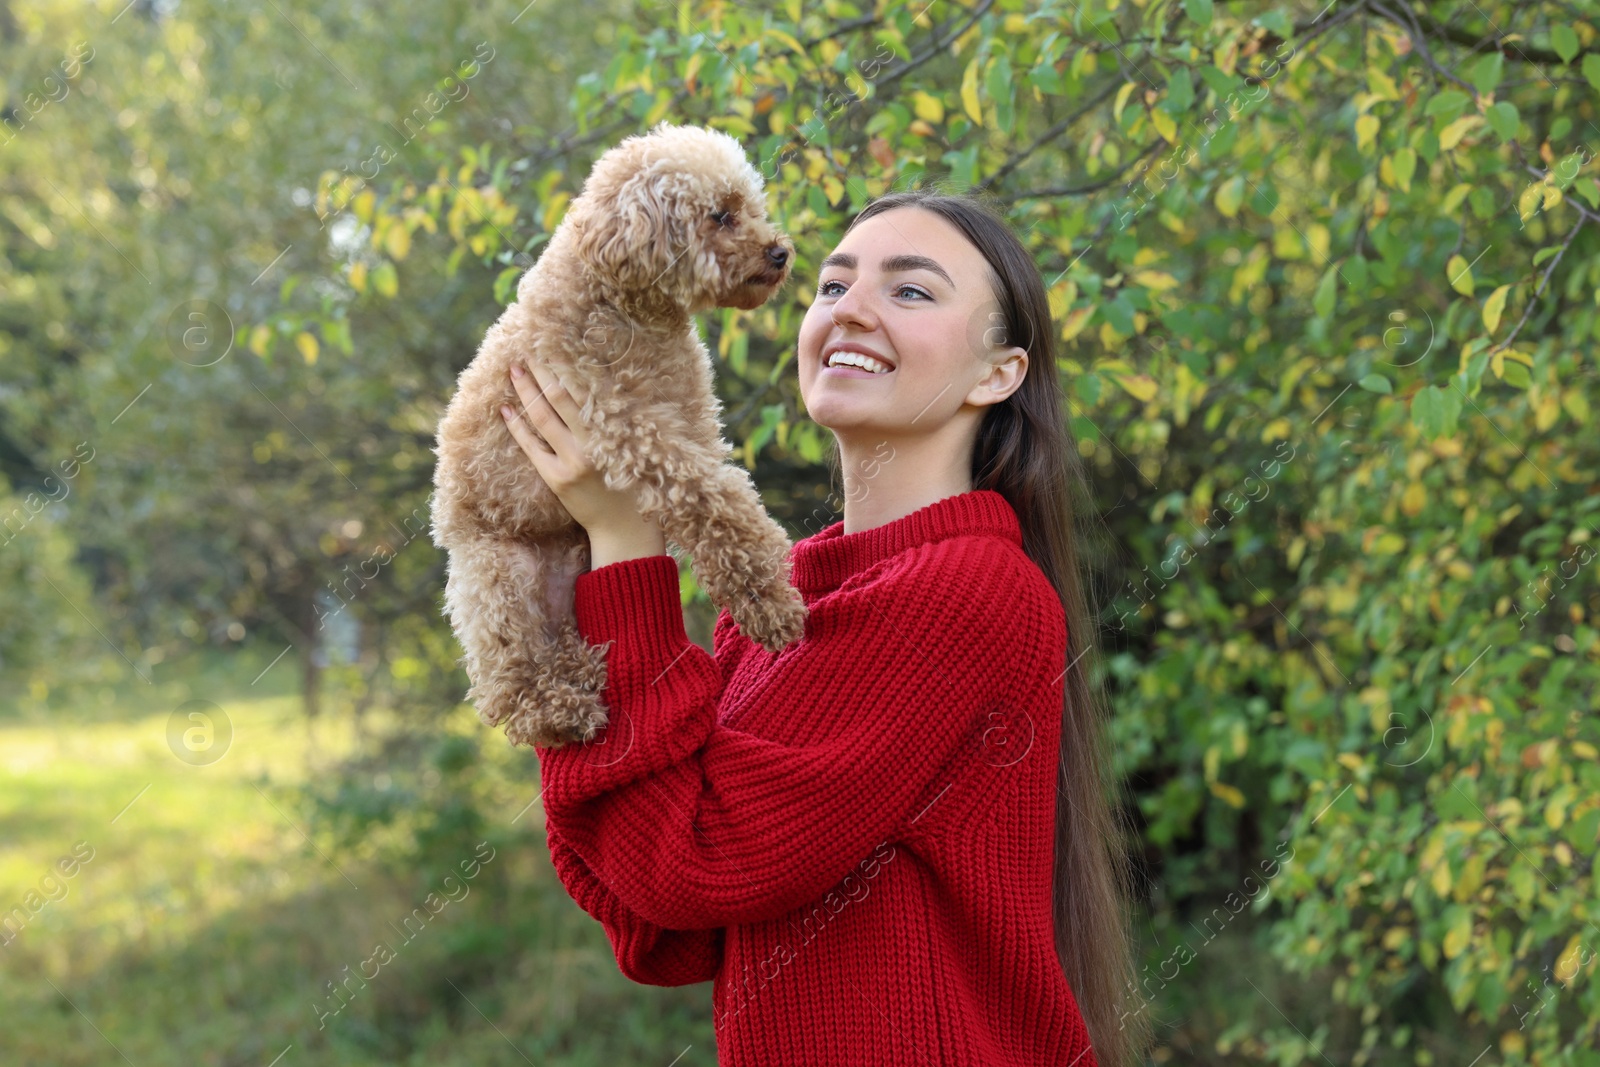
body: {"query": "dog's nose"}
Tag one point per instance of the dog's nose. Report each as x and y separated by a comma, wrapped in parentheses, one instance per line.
(778, 254)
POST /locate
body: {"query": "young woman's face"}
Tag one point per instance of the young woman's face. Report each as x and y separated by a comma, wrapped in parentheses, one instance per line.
(907, 288)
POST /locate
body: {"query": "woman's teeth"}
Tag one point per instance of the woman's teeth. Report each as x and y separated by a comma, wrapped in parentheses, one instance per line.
(856, 359)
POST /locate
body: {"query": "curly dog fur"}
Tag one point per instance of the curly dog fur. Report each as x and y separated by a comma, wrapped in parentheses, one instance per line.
(668, 223)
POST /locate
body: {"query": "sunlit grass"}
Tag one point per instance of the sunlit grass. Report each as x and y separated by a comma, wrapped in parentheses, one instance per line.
(205, 927)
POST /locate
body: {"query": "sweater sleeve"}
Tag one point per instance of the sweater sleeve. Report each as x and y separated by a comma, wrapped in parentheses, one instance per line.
(646, 953)
(697, 825)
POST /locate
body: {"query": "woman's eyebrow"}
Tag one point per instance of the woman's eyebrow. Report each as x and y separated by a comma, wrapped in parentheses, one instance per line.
(891, 264)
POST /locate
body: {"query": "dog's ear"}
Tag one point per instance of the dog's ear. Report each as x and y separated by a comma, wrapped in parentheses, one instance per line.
(635, 234)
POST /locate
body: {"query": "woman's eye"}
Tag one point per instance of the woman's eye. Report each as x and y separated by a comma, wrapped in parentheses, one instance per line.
(822, 290)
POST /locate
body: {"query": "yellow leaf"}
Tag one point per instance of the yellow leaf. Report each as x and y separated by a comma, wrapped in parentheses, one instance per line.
(1383, 86)
(1074, 323)
(1441, 879)
(1164, 126)
(969, 92)
(1528, 202)
(554, 208)
(928, 107)
(1157, 280)
(358, 276)
(1459, 273)
(1140, 386)
(1512, 1044)
(1230, 194)
(363, 204)
(259, 338)
(1585, 750)
(1577, 406)
(397, 242)
(1366, 131)
(1494, 307)
(1413, 499)
(1555, 812)
(799, 49)
(1455, 942)
(1453, 198)
(1122, 100)
(1451, 135)
(1569, 961)
(1350, 760)
(1274, 430)
(1228, 793)
(307, 344)
(1318, 238)
(1547, 412)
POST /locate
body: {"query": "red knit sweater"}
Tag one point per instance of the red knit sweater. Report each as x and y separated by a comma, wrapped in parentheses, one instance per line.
(853, 837)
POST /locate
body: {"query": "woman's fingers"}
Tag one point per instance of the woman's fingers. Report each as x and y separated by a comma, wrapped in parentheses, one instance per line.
(554, 389)
(536, 447)
(541, 417)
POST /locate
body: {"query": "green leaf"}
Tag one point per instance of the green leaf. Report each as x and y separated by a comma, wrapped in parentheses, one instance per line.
(1503, 120)
(1515, 374)
(1564, 41)
(1486, 73)
(1180, 92)
(1449, 103)
(385, 280)
(1199, 12)
(1591, 69)
(1434, 410)
(1218, 82)
(1327, 290)
(1376, 383)
(1404, 163)
(1119, 313)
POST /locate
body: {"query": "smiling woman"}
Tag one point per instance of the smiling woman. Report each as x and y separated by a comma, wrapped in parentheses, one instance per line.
(732, 795)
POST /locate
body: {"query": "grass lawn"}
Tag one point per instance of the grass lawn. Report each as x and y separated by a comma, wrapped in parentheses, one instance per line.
(200, 926)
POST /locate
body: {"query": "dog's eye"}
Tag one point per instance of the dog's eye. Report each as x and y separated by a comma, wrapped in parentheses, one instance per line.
(723, 218)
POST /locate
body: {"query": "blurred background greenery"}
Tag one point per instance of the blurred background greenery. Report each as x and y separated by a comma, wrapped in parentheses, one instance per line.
(1327, 281)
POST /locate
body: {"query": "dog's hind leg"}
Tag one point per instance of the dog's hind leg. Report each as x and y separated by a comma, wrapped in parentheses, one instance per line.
(524, 670)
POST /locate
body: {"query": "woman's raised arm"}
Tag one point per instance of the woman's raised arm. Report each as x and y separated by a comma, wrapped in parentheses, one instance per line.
(696, 825)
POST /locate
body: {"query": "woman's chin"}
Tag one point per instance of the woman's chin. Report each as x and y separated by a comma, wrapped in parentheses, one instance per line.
(843, 417)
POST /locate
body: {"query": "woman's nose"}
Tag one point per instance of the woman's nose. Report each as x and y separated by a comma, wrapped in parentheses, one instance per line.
(854, 309)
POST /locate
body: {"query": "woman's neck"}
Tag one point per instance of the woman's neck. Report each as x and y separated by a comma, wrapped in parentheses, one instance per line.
(887, 478)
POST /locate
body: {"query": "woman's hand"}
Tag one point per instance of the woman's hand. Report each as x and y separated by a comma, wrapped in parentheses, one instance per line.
(553, 435)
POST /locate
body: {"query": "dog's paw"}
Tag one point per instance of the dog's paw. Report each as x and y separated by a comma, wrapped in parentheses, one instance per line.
(555, 718)
(772, 620)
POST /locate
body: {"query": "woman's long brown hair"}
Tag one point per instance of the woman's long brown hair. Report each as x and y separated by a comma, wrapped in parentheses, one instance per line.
(1026, 451)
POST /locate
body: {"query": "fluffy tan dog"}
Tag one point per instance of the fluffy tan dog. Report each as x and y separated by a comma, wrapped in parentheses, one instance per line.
(668, 223)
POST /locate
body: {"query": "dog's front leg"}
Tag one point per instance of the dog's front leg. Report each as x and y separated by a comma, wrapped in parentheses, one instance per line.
(710, 508)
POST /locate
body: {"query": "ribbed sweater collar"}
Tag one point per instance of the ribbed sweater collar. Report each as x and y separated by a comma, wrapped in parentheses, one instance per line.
(822, 562)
